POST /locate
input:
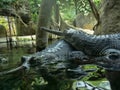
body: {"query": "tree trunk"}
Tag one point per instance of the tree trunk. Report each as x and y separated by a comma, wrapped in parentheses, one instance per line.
(110, 23)
(43, 21)
(110, 17)
(57, 13)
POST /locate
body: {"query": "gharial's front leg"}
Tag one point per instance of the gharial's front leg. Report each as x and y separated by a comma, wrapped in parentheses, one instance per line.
(110, 59)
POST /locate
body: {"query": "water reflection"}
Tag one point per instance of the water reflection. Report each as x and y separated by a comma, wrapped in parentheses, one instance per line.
(13, 56)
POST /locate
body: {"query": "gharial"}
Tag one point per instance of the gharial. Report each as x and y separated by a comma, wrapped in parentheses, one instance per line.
(107, 46)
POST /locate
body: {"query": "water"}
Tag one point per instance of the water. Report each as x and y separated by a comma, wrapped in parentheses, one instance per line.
(20, 81)
(13, 57)
(17, 80)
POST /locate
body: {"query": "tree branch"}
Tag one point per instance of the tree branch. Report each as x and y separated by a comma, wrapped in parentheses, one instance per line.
(95, 12)
(12, 12)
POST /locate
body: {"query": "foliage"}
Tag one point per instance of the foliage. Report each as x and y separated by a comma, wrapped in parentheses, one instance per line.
(34, 8)
(21, 81)
(84, 6)
(6, 3)
(68, 14)
(38, 83)
(69, 8)
(97, 2)
(98, 74)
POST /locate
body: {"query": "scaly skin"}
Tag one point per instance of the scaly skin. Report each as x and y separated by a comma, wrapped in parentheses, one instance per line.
(91, 45)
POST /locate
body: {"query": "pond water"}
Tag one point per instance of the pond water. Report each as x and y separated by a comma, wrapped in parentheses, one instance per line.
(13, 56)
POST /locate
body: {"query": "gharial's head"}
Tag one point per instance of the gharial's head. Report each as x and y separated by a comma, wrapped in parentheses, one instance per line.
(110, 59)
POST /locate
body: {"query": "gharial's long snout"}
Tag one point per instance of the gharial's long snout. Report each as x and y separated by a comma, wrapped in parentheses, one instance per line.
(59, 33)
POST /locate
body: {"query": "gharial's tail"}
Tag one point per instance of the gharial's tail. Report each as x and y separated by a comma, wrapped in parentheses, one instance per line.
(53, 31)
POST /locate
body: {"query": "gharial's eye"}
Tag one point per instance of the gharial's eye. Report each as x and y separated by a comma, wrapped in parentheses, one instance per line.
(114, 56)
